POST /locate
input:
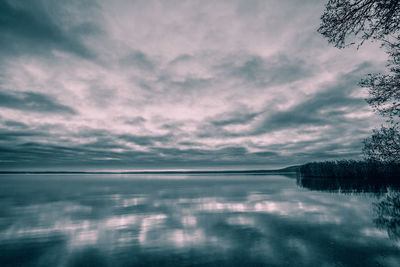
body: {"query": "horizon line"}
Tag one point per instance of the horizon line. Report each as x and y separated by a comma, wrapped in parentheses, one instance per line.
(290, 169)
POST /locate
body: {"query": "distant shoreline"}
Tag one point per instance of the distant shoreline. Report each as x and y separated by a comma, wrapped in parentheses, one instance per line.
(291, 169)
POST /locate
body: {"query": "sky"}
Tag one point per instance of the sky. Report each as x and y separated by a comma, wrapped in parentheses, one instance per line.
(152, 84)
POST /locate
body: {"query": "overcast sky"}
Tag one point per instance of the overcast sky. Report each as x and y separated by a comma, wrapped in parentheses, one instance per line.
(177, 85)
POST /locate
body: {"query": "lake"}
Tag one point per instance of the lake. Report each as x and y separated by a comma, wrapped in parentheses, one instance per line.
(196, 220)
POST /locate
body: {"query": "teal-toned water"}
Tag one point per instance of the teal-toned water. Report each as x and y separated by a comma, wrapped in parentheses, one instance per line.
(195, 220)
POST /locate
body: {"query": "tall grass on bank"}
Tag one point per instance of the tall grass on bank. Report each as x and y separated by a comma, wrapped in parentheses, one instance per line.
(351, 169)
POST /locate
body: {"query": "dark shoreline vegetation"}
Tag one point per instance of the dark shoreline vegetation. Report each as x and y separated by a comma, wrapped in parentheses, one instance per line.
(351, 169)
(349, 186)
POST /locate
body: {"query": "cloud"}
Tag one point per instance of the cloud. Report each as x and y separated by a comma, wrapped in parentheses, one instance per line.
(264, 72)
(37, 27)
(10, 135)
(235, 118)
(15, 124)
(140, 60)
(330, 107)
(135, 120)
(144, 140)
(30, 101)
(324, 108)
(160, 85)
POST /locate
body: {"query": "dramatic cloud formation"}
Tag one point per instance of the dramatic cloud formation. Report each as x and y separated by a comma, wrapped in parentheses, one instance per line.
(177, 84)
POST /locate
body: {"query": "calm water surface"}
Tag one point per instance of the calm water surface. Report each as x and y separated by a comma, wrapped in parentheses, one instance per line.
(195, 220)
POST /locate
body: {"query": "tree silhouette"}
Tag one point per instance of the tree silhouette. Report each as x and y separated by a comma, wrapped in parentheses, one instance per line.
(384, 89)
(383, 145)
(366, 19)
(378, 20)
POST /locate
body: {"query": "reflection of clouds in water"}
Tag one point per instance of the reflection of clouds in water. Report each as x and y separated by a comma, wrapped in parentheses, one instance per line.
(127, 201)
(241, 220)
(148, 224)
(84, 237)
(284, 208)
(41, 221)
(186, 238)
(300, 248)
(133, 201)
(152, 229)
(373, 232)
(121, 222)
(189, 221)
(266, 224)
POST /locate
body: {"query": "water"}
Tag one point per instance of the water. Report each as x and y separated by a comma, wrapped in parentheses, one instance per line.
(195, 220)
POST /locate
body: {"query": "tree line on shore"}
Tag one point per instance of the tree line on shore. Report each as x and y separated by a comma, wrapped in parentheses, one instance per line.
(355, 169)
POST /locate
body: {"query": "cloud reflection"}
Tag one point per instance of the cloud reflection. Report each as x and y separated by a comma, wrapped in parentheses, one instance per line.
(257, 221)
